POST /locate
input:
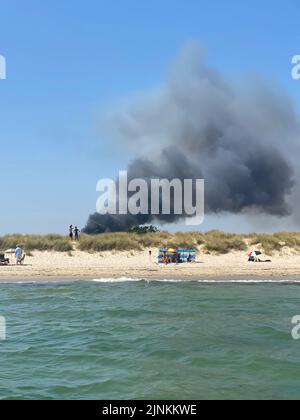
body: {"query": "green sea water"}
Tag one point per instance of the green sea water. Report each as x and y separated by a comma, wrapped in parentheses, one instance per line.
(149, 340)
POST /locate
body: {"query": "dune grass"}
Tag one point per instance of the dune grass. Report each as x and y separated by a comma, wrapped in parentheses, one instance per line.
(132, 241)
(215, 242)
(223, 243)
(276, 242)
(36, 243)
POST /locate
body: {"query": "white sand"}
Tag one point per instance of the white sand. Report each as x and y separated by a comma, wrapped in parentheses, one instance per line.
(81, 265)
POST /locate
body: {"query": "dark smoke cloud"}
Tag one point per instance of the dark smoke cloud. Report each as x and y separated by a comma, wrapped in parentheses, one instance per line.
(237, 137)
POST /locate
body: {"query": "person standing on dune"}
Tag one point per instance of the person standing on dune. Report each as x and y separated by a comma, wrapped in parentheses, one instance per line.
(71, 232)
(76, 232)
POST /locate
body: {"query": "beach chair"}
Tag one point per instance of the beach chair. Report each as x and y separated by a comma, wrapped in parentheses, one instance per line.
(3, 260)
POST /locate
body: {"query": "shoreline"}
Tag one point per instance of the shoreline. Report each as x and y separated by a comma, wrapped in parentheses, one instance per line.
(114, 280)
(83, 266)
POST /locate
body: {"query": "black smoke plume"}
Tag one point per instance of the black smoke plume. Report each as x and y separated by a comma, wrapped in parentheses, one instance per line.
(235, 136)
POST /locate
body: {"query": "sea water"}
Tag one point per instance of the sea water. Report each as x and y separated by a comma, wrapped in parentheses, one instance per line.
(124, 339)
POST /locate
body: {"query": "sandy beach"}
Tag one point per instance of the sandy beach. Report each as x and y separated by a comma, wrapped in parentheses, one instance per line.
(82, 265)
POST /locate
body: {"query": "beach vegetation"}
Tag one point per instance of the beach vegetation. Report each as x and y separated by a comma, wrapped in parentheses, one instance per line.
(215, 242)
(276, 241)
(36, 243)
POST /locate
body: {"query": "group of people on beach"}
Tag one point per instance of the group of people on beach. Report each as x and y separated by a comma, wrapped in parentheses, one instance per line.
(169, 259)
(74, 233)
(175, 258)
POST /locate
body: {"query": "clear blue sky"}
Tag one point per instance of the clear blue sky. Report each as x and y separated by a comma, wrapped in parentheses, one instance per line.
(67, 59)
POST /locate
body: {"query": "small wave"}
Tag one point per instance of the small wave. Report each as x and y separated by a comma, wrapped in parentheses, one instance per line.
(120, 280)
(136, 280)
(129, 279)
(202, 281)
(12, 282)
(250, 281)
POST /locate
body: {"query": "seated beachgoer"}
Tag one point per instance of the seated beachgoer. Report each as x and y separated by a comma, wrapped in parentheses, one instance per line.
(254, 258)
(165, 258)
(175, 258)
